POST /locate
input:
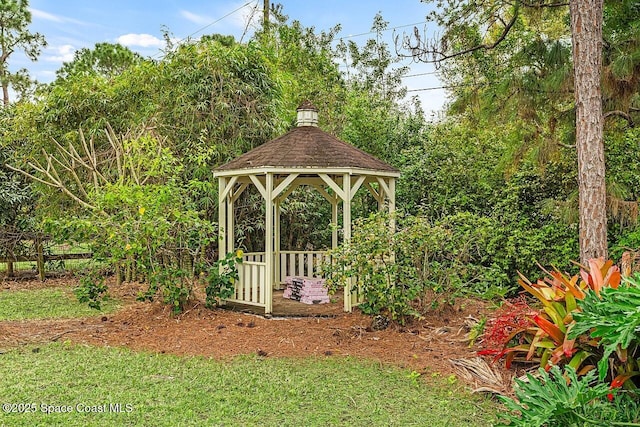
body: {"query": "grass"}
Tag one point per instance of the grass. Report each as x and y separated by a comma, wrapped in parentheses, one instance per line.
(164, 390)
(47, 303)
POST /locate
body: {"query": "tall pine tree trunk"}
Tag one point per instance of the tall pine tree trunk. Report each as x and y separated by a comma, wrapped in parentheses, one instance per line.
(586, 30)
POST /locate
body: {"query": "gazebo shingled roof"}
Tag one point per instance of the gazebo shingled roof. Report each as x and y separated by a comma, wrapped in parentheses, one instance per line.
(307, 147)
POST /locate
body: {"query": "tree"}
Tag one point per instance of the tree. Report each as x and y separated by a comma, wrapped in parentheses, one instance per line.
(586, 30)
(105, 59)
(14, 34)
(471, 29)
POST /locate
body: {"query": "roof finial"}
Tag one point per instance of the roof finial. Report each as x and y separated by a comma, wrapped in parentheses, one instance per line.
(307, 114)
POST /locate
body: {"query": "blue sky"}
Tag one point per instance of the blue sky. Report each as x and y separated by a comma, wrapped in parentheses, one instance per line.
(69, 25)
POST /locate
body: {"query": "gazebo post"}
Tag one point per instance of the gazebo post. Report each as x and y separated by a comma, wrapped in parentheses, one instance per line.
(230, 223)
(276, 242)
(222, 220)
(268, 245)
(334, 222)
(346, 215)
(392, 201)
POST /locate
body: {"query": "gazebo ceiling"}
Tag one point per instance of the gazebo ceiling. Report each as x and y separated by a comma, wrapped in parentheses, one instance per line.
(307, 147)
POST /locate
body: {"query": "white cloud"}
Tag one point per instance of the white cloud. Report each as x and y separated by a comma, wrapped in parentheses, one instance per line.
(41, 14)
(141, 40)
(195, 18)
(62, 53)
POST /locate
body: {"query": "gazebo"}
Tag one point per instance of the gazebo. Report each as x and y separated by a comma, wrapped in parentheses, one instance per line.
(306, 156)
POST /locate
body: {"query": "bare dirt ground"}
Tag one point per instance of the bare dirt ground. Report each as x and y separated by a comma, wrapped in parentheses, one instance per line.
(425, 346)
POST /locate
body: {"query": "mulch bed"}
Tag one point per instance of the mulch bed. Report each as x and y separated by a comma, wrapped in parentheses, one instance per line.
(425, 346)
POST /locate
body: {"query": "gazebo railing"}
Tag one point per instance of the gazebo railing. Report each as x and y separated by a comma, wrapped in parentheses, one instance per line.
(300, 263)
(292, 263)
(251, 288)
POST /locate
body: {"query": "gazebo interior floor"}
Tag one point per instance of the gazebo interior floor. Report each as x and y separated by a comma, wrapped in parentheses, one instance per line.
(284, 307)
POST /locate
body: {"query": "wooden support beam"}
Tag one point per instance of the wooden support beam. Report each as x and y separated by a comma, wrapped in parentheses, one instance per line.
(222, 218)
(346, 227)
(288, 191)
(284, 184)
(268, 242)
(238, 192)
(374, 192)
(331, 199)
(228, 187)
(357, 185)
(259, 186)
(384, 188)
(334, 186)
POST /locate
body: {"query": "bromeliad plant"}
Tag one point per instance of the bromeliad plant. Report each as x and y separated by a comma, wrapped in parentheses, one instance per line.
(546, 339)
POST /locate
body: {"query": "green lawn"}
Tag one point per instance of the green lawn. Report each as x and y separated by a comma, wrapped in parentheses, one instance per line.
(46, 304)
(163, 390)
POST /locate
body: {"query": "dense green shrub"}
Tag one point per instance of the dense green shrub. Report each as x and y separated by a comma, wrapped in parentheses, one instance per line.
(563, 399)
(221, 277)
(613, 318)
(376, 261)
(394, 265)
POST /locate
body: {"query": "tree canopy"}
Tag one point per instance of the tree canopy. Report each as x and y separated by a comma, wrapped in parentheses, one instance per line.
(15, 35)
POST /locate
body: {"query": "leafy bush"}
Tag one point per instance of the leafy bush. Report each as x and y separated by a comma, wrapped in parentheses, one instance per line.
(376, 260)
(92, 290)
(565, 399)
(221, 278)
(393, 267)
(613, 318)
(174, 284)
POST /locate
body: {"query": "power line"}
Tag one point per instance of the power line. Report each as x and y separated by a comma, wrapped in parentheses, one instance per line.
(388, 29)
(431, 88)
(216, 21)
(445, 87)
(420, 74)
(210, 24)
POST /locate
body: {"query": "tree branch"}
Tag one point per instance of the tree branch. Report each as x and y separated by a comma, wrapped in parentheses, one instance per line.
(421, 51)
(622, 114)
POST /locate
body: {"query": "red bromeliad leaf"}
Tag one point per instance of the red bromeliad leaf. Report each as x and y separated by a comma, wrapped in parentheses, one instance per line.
(568, 346)
(572, 286)
(613, 277)
(529, 287)
(596, 275)
(554, 332)
(586, 279)
(619, 381)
